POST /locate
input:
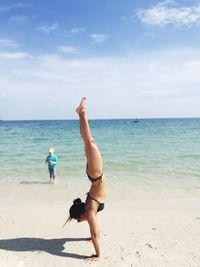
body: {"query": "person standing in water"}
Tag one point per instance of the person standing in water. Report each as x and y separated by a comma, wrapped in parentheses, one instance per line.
(87, 211)
(52, 164)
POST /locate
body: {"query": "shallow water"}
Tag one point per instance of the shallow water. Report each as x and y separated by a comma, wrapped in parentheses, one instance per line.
(151, 157)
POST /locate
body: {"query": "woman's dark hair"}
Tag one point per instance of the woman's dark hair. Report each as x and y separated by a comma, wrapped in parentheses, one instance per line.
(76, 209)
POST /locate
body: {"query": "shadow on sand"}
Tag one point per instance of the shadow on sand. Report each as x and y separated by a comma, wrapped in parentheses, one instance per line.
(52, 246)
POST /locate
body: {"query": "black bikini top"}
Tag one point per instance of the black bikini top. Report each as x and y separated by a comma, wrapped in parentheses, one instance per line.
(101, 205)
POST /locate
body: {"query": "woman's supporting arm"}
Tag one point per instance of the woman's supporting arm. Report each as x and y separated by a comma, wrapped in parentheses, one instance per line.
(94, 230)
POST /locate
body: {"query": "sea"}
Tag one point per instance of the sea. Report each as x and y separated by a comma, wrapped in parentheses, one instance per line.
(145, 158)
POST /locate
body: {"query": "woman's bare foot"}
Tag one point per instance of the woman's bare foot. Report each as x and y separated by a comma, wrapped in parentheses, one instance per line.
(82, 106)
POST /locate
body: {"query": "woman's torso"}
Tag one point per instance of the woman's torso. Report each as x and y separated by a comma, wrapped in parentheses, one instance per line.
(98, 189)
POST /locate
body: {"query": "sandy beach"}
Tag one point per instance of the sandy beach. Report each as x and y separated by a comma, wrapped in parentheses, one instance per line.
(133, 233)
(102, 97)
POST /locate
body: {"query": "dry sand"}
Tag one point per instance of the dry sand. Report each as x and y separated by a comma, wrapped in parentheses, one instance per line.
(145, 233)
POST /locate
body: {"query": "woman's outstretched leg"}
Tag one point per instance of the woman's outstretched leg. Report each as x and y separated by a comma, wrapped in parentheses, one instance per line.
(94, 160)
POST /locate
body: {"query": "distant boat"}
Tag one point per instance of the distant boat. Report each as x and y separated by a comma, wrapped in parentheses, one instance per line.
(136, 120)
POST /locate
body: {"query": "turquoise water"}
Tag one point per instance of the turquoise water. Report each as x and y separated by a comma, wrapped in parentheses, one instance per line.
(159, 153)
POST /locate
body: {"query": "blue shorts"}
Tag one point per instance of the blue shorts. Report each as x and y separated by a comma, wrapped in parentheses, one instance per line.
(52, 172)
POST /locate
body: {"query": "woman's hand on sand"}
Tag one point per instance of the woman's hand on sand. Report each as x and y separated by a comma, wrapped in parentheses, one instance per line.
(91, 258)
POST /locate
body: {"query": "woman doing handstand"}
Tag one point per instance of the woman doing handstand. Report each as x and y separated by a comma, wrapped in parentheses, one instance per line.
(87, 211)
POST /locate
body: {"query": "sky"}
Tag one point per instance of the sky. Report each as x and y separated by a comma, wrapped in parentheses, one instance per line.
(131, 59)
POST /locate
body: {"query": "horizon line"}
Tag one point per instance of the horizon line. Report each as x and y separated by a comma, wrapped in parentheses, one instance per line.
(134, 118)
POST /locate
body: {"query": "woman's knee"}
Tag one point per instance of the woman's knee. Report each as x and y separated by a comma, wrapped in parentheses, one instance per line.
(90, 142)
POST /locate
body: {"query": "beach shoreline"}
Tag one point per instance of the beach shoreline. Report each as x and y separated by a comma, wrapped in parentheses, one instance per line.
(133, 233)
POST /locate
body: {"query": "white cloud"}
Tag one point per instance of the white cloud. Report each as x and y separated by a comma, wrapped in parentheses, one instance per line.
(18, 19)
(157, 85)
(6, 43)
(67, 49)
(54, 28)
(10, 7)
(165, 13)
(16, 55)
(99, 38)
(76, 30)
